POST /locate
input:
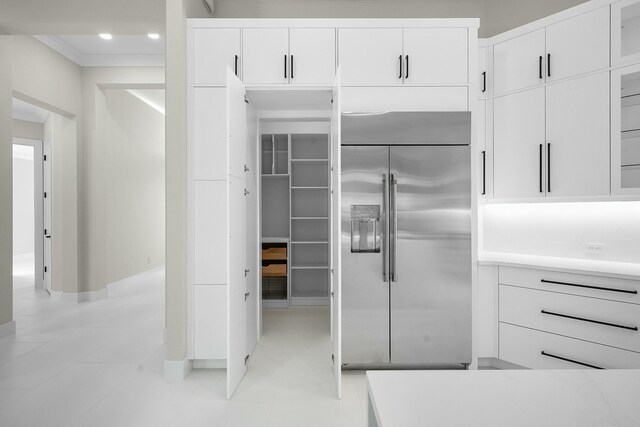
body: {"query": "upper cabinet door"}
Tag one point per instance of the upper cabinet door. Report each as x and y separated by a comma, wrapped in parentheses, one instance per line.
(625, 32)
(578, 137)
(312, 56)
(370, 56)
(518, 145)
(266, 55)
(435, 56)
(519, 63)
(215, 49)
(482, 72)
(236, 127)
(578, 45)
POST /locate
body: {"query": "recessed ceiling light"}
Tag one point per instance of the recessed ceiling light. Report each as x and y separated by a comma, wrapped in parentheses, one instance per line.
(154, 36)
(105, 36)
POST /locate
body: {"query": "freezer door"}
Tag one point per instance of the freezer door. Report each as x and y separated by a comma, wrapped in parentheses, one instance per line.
(365, 291)
(431, 269)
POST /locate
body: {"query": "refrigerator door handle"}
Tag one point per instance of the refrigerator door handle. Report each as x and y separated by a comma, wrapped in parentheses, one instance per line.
(385, 240)
(393, 227)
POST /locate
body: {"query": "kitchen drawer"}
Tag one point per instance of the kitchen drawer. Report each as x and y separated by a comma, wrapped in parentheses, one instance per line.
(524, 347)
(570, 283)
(547, 311)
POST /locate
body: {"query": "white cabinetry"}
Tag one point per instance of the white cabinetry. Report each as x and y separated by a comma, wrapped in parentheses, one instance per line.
(518, 62)
(625, 32)
(578, 45)
(208, 132)
(409, 56)
(518, 144)
(266, 55)
(218, 48)
(303, 56)
(370, 56)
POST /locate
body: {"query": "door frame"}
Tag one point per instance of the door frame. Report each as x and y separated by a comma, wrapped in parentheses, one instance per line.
(39, 178)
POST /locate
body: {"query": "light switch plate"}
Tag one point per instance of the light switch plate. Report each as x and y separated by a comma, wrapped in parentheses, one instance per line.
(595, 248)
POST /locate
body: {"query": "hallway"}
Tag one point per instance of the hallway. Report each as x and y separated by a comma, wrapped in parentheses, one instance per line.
(101, 364)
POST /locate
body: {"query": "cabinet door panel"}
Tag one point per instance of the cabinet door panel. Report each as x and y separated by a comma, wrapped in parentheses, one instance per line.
(370, 56)
(516, 62)
(236, 126)
(518, 133)
(313, 56)
(578, 134)
(214, 49)
(437, 56)
(264, 51)
(210, 232)
(210, 322)
(209, 128)
(578, 45)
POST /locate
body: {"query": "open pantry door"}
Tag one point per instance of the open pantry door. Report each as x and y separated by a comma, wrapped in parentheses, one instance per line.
(336, 314)
(237, 357)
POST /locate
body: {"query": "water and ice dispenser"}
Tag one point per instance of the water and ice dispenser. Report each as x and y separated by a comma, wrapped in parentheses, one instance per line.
(365, 228)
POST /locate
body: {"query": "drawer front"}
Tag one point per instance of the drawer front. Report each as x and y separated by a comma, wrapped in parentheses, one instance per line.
(572, 316)
(577, 284)
(524, 347)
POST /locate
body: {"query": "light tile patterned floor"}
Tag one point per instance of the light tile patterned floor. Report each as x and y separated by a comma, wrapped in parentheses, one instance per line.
(101, 363)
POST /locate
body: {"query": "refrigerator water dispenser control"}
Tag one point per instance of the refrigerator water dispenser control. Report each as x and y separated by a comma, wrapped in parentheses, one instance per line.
(365, 236)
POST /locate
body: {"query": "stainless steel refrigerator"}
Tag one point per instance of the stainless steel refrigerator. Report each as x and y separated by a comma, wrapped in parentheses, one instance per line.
(406, 240)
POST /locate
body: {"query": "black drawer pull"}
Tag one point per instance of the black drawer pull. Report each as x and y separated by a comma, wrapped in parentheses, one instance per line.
(540, 67)
(583, 319)
(544, 353)
(600, 288)
(484, 81)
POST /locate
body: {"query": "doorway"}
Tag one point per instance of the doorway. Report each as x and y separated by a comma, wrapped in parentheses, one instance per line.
(28, 214)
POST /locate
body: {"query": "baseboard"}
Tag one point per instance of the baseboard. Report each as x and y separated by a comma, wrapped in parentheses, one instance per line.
(8, 329)
(309, 300)
(177, 370)
(276, 304)
(209, 364)
(494, 362)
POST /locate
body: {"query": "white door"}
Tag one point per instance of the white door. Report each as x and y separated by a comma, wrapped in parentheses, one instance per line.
(236, 125)
(312, 56)
(578, 45)
(253, 209)
(519, 63)
(370, 56)
(46, 181)
(435, 56)
(266, 55)
(578, 136)
(336, 307)
(215, 49)
(519, 145)
(236, 226)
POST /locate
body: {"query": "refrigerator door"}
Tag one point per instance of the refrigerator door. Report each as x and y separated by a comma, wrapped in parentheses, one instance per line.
(365, 290)
(431, 290)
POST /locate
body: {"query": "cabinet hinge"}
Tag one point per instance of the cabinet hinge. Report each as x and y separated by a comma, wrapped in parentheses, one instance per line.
(246, 295)
(246, 360)
(246, 169)
(333, 359)
(246, 99)
(246, 192)
(45, 157)
(332, 99)
(246, 272)
(331, 294)
(45, 268)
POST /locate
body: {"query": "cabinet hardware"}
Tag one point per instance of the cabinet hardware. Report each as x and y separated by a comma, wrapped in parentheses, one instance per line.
(246, 359)
(291, 66)
(540, 66)
(45, 157)
(540, 163)
(246, 272)
(246, 192)
(600, 288)
(548, 65)
(484, 81)
(484, 172)
(246, 295)
(246, 169)
(400, 61)
(45, 194)
(406, 76)
(584, 319)
(246, 100)
(235, 66)
(285, 66)
(46, 268)
(544, 353)
(548, 167)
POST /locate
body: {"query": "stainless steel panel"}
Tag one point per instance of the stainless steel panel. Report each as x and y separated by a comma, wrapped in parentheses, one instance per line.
(365, 293)
(406, 128)
(431, 301)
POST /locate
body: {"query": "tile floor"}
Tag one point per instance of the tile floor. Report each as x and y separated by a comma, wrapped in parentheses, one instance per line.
(101, 364)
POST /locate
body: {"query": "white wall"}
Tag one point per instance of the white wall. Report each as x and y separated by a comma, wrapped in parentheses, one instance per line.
(563, 229)
(23, 201)
(132, 134)
(28, 130)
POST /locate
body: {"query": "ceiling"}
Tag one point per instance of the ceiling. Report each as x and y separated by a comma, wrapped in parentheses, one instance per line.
(121, 50)
(24, 111)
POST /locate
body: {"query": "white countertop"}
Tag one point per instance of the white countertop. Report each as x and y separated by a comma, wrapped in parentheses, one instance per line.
(610, 268)
(516, 398)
